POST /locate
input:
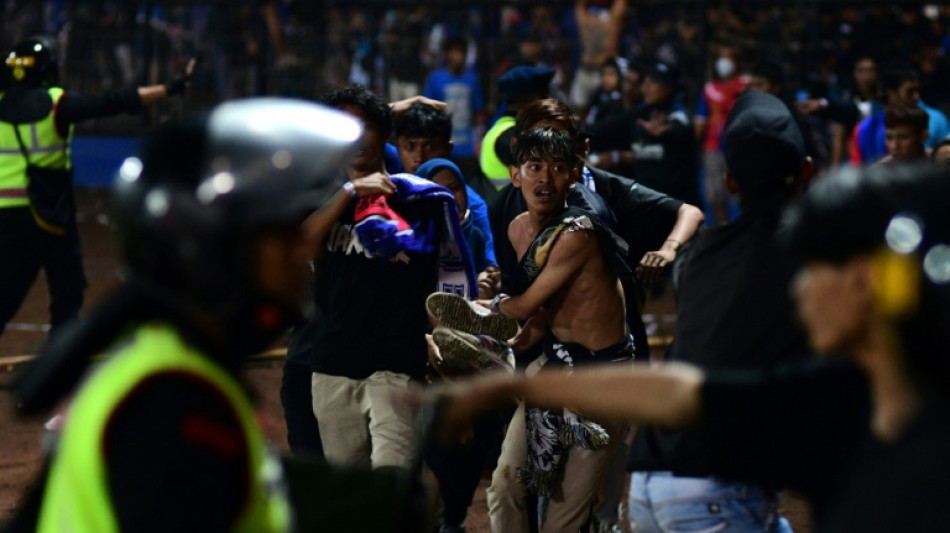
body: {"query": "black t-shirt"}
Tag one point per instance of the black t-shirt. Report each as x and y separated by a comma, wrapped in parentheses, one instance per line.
(898, 486)
(807, 426)
(668, 163)
(372, 311)
(733, 312)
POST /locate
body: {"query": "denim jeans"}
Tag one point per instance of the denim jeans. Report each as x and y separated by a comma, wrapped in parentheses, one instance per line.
(662, 502)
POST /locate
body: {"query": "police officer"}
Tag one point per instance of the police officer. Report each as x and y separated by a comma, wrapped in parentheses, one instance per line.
(37, 211)
(161, 436)
(519, 86)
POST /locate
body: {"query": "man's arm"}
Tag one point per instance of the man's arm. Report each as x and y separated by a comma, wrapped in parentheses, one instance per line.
(73, 108)
(567, 257)
(668, 395)
(688, 220)
(317, 226)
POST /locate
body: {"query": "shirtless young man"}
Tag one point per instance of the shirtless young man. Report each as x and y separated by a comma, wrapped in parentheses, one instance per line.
(569, 293)
(599, 27)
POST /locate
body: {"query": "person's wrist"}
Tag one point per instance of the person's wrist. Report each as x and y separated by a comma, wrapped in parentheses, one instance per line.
(350, 189)
(496, 302)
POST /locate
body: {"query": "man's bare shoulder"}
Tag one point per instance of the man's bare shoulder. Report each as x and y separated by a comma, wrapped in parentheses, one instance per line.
(575, 243)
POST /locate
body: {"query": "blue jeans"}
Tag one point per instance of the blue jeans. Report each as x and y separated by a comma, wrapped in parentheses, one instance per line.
(662, 502)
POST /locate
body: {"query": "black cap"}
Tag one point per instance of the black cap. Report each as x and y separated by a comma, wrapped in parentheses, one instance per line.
(762, 143)
(524, 79)
(666, 74)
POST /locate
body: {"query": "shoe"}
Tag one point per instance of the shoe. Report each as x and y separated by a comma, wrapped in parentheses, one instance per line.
(454, 312)
(464, 352)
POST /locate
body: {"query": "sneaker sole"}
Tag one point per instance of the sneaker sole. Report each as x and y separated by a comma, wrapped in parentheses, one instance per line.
(461, 353)
(455, 312)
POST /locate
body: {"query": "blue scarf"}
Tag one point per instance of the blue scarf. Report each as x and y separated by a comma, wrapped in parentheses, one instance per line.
(385, 233)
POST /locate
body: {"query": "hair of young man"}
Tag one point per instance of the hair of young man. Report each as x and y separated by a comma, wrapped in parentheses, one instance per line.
(377, 111)
(545, 144)
(774, 179)
(422, 120)
(455, 43)
(554, 113)
(897, 75)
(905, 115)
(771, 71)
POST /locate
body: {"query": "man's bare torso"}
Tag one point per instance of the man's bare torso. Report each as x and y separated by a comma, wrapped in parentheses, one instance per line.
(589, 308)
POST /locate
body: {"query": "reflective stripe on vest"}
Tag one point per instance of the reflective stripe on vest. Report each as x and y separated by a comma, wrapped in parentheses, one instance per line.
(76, 497)
(492, 167)
(43, 144)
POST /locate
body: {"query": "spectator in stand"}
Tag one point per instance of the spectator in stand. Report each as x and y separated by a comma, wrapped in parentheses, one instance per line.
(608, 100)
(941, 154)
(654, 143)
(458, 86)
(858, 103)
(901, 87)
(715, 103)
(905, 133)
(632, 95)
(599, 26)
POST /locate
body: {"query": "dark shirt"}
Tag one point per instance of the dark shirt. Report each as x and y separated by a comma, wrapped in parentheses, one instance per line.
(807, 426)
(373, 311)
(668, 163)
(734, 311)
(176, 457)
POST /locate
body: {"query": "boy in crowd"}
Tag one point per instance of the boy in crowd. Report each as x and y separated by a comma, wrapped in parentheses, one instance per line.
(905, 133)
(424, 132)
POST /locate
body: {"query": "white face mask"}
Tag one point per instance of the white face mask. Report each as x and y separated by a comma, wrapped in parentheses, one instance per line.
(725, 67)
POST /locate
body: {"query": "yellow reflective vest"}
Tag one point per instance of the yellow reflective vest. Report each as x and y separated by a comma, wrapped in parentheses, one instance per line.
(492, 167)
(76, 497)
(45, 147)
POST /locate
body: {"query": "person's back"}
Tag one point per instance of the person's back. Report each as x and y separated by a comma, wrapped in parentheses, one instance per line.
(734, 312)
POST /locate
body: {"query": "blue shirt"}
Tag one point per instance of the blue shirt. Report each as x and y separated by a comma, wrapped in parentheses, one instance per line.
(463, 94)
(478, 209)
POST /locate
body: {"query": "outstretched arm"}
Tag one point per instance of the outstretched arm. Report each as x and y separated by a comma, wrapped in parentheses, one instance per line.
(688, 220)
(667, 395)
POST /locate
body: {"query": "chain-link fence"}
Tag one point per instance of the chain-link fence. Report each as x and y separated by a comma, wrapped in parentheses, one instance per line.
(304, 47)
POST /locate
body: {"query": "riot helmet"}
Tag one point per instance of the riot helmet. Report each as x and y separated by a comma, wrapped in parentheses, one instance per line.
(189, 209)
(33, 62)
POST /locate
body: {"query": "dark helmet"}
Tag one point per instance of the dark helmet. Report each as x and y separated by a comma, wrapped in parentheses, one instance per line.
(189, 209)
(33, 62)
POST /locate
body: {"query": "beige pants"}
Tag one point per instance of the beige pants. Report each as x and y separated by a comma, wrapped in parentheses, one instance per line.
(570, 506)
(359, 424)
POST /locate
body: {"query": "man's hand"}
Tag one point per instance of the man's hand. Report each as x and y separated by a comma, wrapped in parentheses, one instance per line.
(376, 183)
(489, 282)
(657, 125)
(400, 106)
(653, 264)
(810, 106)
(183, 80)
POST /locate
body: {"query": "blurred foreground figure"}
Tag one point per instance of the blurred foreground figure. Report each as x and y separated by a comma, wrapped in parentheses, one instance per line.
(162, 436)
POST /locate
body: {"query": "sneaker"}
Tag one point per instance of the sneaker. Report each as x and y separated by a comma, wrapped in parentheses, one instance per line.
(451, 311)
(465, 352)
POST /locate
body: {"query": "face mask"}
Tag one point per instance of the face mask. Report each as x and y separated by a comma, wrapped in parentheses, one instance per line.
(725, 67)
